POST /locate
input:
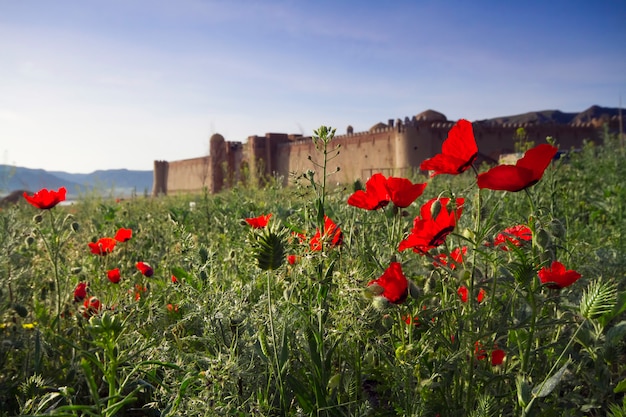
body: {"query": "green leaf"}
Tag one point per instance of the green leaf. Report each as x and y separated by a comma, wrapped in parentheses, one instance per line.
(620, 387)
(616, 334)
(547, 386)
(523, 391)
(179, 272)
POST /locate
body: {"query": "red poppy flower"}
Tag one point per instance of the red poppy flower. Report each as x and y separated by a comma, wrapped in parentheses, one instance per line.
(403, 192)
(411, 320)
(172, 308)
(556, 276)
(394, 284)
(375, 195)
(458, 151)
(480, 353)
(259, 222)
(123, 235)
(80, 292)
(92, 305)
(300, 236)
(526, 172)
(463, 292)
(174, 279)
(45, 199)
(292, 259)
(514, 235)
(114, 275)
(456, 256)
(380, 190)
(145, 269)
(103, 246)
(497, 357)
(429, 232)
(332, 232)
(138, 290)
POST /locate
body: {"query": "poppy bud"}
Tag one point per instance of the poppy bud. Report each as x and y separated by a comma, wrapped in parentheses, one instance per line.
(334, 381)
(75, 226)
(380, 303)
(429, 284)
(557, 228)
(543, 239)
(76, 270)
(435, 208)
(466, 275)
(37, 218)
(414, 292)
(29, 240)
(373, 290)
(20, 310)
(547, 256)
(387, 321)
(204, 254)
(469, 234)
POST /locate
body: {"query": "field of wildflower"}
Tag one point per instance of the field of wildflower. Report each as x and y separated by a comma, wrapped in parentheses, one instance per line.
(474, 291)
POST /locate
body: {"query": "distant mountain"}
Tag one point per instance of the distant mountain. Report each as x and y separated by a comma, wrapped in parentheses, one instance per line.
(118, 182)
(594, 114)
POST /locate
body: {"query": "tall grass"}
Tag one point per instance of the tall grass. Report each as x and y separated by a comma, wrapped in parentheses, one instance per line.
(241, 331)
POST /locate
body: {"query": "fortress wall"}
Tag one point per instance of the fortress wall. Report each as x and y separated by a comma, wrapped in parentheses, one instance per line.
(262, 155)
(359, 156)
(159, 178)
(189, 175)
(234, 161)
(493, 141)
(424, 140)
(392, 150)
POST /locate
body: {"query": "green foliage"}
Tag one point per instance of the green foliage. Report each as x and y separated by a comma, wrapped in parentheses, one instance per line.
(242, 331)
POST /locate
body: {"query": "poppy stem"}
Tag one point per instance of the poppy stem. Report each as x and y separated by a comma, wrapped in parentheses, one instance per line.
(279, 376)
(52, 249)
(530, 200)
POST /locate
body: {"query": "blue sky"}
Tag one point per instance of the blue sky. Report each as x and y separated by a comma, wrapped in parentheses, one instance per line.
(88, 85)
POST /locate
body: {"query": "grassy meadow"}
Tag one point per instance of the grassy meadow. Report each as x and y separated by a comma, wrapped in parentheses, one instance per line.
(223, 318)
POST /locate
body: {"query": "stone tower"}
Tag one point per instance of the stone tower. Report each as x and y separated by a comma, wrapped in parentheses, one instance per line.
(217, 151)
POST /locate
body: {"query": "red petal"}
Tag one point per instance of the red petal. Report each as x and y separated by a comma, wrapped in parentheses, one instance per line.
(403, 192)
(506, 178)
(537, 159)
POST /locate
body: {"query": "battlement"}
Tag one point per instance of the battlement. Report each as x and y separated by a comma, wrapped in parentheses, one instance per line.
(399, 146)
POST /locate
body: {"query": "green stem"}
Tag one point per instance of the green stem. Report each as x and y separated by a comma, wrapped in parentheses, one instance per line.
(111, 375)
(554, 366)
(471, 304)
(52, 249)
(531, 331)
(273, 335)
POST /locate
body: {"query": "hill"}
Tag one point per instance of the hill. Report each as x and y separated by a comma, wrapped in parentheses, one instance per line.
(117, 182)
(594, 114)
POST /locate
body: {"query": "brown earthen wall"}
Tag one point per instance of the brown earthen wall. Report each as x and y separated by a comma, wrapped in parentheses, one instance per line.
(189, 175)
(392, 150)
